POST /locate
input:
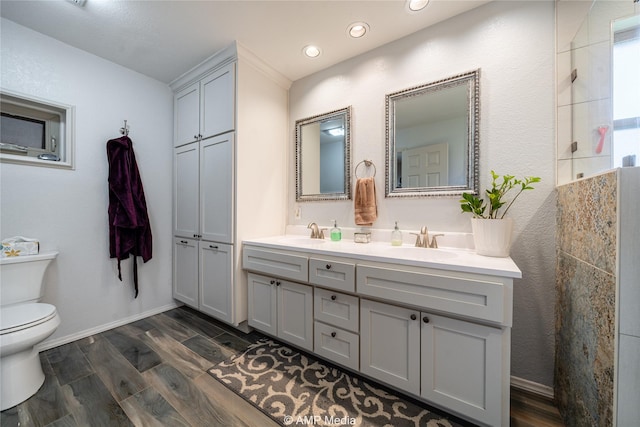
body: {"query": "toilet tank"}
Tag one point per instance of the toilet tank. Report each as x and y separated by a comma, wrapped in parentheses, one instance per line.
(21, 277)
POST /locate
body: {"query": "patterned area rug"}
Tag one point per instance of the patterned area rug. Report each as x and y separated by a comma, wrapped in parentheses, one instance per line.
(296, 389)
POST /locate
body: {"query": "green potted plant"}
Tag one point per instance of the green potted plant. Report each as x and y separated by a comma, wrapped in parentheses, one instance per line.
(491, 230)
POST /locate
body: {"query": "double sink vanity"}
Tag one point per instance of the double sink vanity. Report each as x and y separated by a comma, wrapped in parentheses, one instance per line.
(433, 323)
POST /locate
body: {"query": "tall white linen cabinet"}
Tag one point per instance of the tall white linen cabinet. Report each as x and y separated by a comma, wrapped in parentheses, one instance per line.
(229, 175)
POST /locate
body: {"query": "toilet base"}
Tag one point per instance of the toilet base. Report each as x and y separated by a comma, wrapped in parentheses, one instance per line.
(21, 377)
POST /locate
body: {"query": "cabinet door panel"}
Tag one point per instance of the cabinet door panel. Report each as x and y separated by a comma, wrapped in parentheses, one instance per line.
(185, 271)
(217, 105)
(336, 309)
(390, 344)
(185, 191)
(186, 106)
(332, 274)
(337, 345)
(216, 280)
(287, 265)
(262, 309)
(461, 367)
(216, 188)
(295, 314)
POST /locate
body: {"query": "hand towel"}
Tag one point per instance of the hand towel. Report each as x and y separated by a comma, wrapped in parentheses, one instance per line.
(366, 209)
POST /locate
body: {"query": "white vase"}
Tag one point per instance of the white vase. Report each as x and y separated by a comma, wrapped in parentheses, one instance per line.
(492, 237)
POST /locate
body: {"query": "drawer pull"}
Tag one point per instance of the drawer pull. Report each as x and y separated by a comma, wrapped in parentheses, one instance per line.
(184, 242)
(413, 317)
(333, 297)
(213, 247)
(333, 334)
(328, 266)
(272, 282)
(425, 319)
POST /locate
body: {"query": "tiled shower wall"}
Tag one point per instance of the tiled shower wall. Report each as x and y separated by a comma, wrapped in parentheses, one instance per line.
(585, 306)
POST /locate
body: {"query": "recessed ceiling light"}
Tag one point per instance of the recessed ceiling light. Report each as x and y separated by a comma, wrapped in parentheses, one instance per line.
(311, 51)
(358, 29)
(416, 5)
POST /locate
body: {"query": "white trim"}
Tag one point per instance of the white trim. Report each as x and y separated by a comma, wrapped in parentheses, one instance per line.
(532, 387)
(209, 65)
(262, 66)
(105, 327)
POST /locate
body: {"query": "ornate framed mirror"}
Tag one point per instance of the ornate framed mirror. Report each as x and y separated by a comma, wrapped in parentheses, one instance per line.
(323, 156)
(432, 138)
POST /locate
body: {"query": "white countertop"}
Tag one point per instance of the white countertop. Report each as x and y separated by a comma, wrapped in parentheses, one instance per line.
(463, 260)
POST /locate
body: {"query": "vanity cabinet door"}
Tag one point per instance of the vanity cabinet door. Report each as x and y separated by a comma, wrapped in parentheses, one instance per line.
(295, 313)
(332, 274)
(216, 281)
(262, 308)
(461, 367)
(277, 263)
(186, 107)
(337, 309)
(390, 344)
(337, 345)
(185, 271)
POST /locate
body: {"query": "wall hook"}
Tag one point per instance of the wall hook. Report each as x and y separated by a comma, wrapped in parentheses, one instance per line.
(125, 129)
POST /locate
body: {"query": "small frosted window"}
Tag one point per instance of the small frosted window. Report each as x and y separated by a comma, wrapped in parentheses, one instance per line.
(22, 131)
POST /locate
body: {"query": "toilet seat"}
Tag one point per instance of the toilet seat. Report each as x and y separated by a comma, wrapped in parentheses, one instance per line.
(22, 316)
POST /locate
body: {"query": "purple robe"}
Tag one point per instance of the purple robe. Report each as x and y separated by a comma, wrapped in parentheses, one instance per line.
(129, 227)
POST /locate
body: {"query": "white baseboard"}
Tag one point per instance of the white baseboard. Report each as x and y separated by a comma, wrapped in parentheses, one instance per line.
(532, 387)
(92, 331)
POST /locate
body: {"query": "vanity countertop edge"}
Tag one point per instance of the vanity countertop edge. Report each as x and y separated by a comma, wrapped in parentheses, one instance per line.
(461, 260)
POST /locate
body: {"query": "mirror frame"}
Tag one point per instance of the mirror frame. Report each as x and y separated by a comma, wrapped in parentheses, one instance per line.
(346, 195)
(472, 80)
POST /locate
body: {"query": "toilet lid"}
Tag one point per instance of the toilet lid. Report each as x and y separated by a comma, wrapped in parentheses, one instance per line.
(15, 317)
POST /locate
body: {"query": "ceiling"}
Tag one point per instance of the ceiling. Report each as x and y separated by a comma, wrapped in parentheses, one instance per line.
(164, 39)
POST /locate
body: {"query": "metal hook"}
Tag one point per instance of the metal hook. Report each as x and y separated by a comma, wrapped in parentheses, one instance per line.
(125, 129)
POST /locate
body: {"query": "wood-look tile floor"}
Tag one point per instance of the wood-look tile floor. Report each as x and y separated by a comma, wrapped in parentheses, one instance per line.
(152, 372)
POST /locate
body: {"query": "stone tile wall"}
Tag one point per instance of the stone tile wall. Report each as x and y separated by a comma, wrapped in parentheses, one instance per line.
(585, 306)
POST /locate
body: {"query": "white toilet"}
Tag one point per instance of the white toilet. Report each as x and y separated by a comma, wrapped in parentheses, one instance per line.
(24, 323)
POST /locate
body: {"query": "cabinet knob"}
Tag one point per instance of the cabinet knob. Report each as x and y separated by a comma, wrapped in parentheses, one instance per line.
(278, 283)
(328, 266)
(333, 334)
(272, 282)
(195, 136)
(413, 317)
(425, 319)
(333, 297)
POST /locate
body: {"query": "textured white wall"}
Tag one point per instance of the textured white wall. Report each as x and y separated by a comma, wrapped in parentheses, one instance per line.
(513, 45)
(66, 209)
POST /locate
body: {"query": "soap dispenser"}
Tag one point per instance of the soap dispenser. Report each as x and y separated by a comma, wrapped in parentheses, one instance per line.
(336, 233)
(396, 236)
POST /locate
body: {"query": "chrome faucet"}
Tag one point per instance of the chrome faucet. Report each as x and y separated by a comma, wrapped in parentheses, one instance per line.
(422, 239)
(316, 233)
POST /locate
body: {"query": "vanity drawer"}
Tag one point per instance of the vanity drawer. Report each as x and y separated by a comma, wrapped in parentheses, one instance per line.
(275, 263)
(470, 296)
(337, 345)
(331, 274)
(336, 309)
